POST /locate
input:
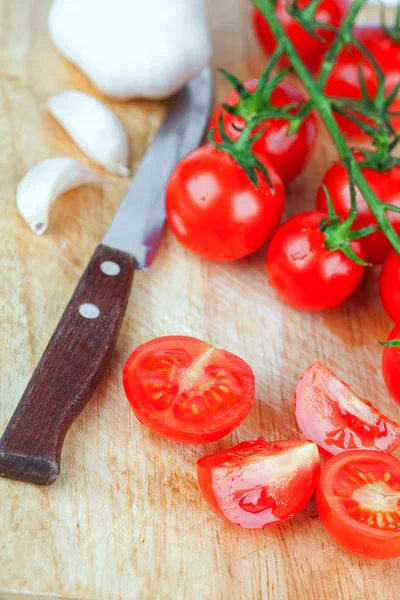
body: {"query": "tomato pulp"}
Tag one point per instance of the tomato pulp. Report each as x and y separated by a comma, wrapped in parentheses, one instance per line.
(331, 415)
(186, 390)
(259, 483)
(391, 365)
(310, 48)
(289, 154)
(358, 500)
(215, 211)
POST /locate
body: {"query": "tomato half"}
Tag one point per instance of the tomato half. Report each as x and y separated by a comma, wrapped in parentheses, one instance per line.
(310, 49)
(358, 500)
(331, 415)
(289, 154)
(386, 186)
(389, 286)
(186, 390)
(303, 272)
(259, 483)
(344, 78)
(215, 211)
(391, 365)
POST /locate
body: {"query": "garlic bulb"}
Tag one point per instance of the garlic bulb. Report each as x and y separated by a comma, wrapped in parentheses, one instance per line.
(133, 48)
(41, 186)
(94, 128)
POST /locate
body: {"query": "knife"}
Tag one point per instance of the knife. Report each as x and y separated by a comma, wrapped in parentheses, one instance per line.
(77, 354)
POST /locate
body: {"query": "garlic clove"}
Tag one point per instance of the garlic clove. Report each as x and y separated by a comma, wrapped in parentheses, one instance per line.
(95, 129)
(40, 187)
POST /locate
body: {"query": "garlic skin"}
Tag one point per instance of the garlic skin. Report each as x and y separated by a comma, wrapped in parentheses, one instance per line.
(41, 186)
(133, 48)
(95, 129)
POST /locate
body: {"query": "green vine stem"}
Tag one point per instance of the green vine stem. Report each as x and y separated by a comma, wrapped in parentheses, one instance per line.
(323, 105)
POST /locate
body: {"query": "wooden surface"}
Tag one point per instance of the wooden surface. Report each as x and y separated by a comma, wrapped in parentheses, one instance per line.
(126, 520)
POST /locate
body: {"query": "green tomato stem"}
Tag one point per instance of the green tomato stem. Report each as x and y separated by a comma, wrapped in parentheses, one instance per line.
(323, 106)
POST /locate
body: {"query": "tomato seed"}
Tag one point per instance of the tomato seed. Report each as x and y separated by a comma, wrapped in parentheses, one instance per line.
(157, 396)
(194, 409)
(386, 476)
(223, 388)
(216, 396)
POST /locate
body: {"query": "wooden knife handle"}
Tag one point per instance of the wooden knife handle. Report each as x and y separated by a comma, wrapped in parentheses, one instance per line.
(69, 370)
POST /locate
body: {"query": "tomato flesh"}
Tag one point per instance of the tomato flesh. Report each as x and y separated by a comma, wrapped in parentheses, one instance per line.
(186, 390)
(389, 286)
(289, 154)
(358, 501)
(332, 416)
(259, 483)
(391, 365)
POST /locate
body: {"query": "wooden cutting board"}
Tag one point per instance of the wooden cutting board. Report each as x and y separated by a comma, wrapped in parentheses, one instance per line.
(126, 519)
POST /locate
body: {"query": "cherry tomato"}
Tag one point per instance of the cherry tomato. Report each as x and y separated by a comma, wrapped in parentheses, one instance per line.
(186, 390)
(391, 365)
(389, 286)
(259, 483)
(215, 211)
(310, 49)
(288, 154)
(331, 415)
(386, 186)
(358, 500)
(303, 272)
(344, 78)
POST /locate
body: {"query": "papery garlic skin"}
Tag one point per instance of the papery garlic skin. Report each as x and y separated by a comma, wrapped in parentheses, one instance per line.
(95, 129)
(133, 48)
(41, 186)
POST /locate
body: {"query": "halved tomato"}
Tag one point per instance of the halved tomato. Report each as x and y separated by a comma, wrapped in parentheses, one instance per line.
(258, 483)
(358, 500)
(186, 390)
(332, 416)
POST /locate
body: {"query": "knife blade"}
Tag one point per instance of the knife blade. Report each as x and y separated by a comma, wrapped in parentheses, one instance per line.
(77, 354)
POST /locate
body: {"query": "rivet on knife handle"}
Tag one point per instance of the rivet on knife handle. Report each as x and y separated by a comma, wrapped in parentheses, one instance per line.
(69, 370)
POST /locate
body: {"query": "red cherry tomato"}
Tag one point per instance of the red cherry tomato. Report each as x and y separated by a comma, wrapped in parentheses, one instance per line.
(186, 390)
(391, 365)
(288, 154)
(215, 211)
(303, 272)
(358, 500)
(310, 49)
(331, 415)
(344, 78)
(389, 286)
(386, 186)
(259, 483)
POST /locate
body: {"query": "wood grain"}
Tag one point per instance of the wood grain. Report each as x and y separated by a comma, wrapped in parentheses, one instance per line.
(126, 520)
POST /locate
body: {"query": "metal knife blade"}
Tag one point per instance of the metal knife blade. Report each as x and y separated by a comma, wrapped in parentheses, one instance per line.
(138, 224)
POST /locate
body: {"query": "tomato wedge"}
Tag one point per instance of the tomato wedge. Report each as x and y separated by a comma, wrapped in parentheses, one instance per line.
(258, 483)
(358, 500)
(332, 416)
(186, 390)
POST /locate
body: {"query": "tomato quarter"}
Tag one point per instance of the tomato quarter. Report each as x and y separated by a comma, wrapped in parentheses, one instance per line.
(289, 154)
(358, 500)
(310, 49)
(331, 415)
(386, 186)
(259, 483)
(215, 211)
(389, 286)
(303, 272)
(391, 365)
(186, 390)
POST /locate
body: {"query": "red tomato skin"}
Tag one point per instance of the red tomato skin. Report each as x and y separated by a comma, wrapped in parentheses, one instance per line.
(288, 154)
(165, 424)
(386, 186)
(389, 286)
(391, 365)
(225, 487)
(214, 210)
(352, 535)
(303, 272)
(331, 415)
(310, 49)
(343, 80)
